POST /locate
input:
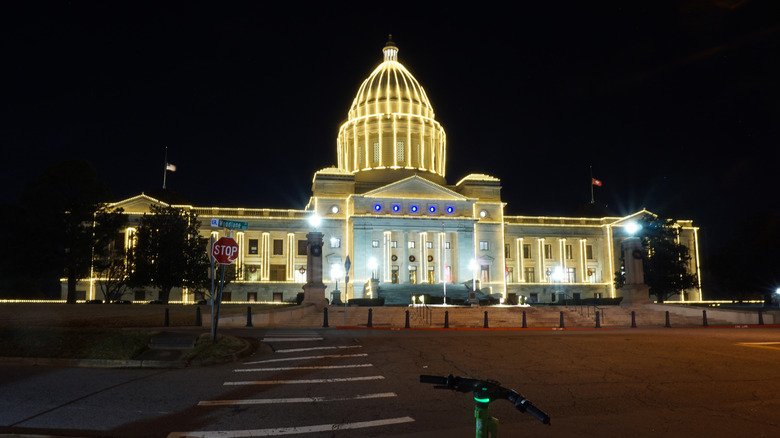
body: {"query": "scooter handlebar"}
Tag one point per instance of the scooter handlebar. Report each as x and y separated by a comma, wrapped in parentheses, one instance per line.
(437, 380)
(463, 384)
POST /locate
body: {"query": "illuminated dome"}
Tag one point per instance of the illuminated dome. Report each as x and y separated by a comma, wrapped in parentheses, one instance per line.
(390, 132)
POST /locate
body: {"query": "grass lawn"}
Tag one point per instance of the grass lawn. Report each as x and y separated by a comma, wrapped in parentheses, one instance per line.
(104, 331)
(73, 343)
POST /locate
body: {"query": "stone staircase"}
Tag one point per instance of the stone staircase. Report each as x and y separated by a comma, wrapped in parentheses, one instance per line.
(400, 294)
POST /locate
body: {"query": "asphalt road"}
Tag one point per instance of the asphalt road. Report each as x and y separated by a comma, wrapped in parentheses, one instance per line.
(358, 383)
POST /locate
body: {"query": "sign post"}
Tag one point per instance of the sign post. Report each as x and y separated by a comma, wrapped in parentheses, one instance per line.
(347, 264)
(224, 251)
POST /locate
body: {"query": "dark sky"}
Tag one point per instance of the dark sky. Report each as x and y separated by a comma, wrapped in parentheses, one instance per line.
(676, 105)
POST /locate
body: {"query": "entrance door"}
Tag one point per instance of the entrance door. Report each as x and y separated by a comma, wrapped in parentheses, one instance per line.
(412, 274)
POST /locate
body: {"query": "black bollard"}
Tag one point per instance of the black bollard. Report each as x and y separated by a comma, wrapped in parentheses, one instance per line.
(561, 326)
(760, 317)
(325, 317)
(249, 316)
(633, 319)
(524, 324)
(598, 320)
(370, 318)
(167, 322)
(667, 320)
(486, 321)
(407, 320)
(198, 318)
(704, 318)
(446, 319)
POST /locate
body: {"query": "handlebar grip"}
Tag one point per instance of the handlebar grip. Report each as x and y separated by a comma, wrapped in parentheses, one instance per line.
(536, 412)
(439, 380)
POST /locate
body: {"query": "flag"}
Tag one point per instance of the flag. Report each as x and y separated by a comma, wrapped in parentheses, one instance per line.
(172, 168)
(596, 182)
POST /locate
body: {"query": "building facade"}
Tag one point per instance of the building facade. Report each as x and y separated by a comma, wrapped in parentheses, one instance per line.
(388, 207)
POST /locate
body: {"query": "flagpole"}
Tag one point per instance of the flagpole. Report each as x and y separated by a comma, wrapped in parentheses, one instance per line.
(592, 199)
(165, 166)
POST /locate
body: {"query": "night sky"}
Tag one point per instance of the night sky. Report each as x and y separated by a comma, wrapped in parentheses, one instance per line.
(676, 105)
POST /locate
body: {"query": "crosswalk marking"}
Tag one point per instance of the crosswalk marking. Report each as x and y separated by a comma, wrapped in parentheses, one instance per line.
(322, 367)
(287, 359)
(290, 430)
(335, 347)
(273, 401)
(304, 381)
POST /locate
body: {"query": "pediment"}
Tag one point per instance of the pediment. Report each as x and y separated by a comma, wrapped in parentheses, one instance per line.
(138, 204)
(415, 187)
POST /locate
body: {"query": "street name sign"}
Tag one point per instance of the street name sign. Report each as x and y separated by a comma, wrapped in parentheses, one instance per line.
(233, 225)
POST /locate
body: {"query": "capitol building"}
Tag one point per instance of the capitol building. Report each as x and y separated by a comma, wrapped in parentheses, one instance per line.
(388, 206)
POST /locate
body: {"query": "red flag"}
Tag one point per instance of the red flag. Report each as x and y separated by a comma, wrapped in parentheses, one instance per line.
(596, 182)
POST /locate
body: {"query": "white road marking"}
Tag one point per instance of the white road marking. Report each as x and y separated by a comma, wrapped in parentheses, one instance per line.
(293, 382)
(295, 350)
(290, 430)
(273, 401)
(323, 367)
(306, 357)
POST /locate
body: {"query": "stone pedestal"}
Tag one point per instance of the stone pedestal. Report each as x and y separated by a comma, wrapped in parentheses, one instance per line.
(635, 291)
(314, 289)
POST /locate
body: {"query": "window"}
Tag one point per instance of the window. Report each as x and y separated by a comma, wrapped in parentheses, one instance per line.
(399, 151)
(335, 242)
(589, 251)
(484, 274)
(374, 244)
(548, 251)
(360, 157)
(527, 251)
(277, 273)
(510, 274)
(302, 247)
(446, 245)
(483, 245)
(429, 244)
(393, 244)
(251, 297)
(569, 252)
(507, 252)
(227, 296)
(376, 152)
(394, 275)
(278, 247)
(571, 275)
(529, 275)
(252, 246)
(410, 244)
(278, 297)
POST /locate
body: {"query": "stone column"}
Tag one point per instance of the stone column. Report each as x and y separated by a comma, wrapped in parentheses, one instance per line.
(314, 289)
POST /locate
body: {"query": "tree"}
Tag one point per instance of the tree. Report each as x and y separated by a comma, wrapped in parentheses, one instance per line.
(666, 265)
(67, 208)
(109, 263)
(169, 251)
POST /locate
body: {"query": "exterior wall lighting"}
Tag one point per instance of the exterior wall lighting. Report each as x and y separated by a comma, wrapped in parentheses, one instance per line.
(396, 208)
(377, 207)
(413, 208)
(450, 210)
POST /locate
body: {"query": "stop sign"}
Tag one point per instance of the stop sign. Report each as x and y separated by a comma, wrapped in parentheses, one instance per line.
(225, 250)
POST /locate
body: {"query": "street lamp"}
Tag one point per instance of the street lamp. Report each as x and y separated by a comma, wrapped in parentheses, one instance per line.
(633, 228)
(315, 220)
(372, 265)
